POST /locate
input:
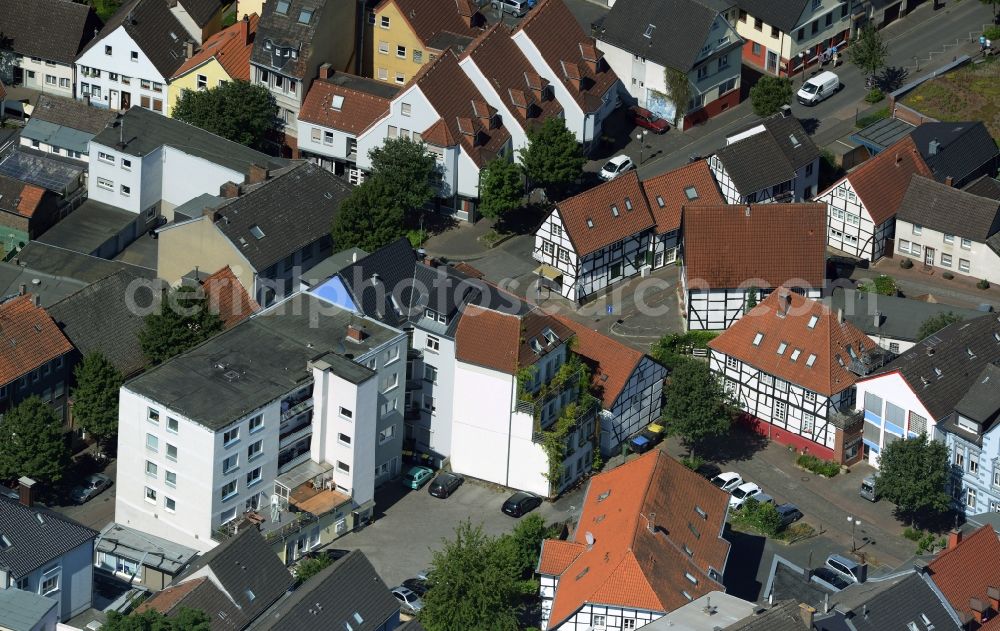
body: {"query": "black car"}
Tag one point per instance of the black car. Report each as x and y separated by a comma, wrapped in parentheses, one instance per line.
(445, 484)
(789, 513)
(521, 503)
(416, 585)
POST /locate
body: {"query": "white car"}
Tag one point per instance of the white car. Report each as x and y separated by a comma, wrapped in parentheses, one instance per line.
(616, 166)
(742, 493)
(727, 481)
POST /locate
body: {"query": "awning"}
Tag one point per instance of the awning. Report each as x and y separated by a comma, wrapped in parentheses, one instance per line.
(548, 272)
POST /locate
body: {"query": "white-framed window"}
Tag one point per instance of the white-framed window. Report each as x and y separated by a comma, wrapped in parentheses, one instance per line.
(105, 183)
(548, 247)
(255, 476)
(808, 422)
(171, 452)
(973, 463)
(152, 442)
(732, 362)
(346, 413)
(963, 265)
(108, 50)
(959, 459)
(405, 109)
(170, 477)
(418, 56)
(401, 51)
(809, 396)
(400, 78)
(949, 238)
(996, 478)
(383, 74)
(231, 463)
(780, 410)
(126, 191)
(597, 620)
(343, 466)
(227, 515)
(383, 47)
(255, 449)
(151, 469)
(766, 379)
(169, 504)
(628, 623)
(172, 425)
(50, 581)
(386, 434)
(432, 343)
(945, 260)
(256, 424)
(202, 82)
(343, 438)
(134, 55)
(966, 244)
(126, 164)
(563, 254)
(150, 495)
(430, 373)
(153, 416)
(228, 490)
(230, 437)
(384, 22)
(970, 498)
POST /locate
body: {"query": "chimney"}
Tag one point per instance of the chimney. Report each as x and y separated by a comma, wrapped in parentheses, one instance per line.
(210, 212)
(878, 319)
(188, 50)
(840, 315)
(356, 333)
(979, 610)
(326, 71)
(806, 612)
(954, 538)
(27, 491)
(22, 289)
(36, 300)
(257, 174)
(949, 181)
(229, 190)
(245, 30)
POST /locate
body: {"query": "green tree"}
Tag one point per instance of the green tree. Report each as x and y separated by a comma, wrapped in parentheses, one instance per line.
(553, 159)
(235, 110)
(937, 322)
(523, 545)
(913, 475)
(751, 299)
(679, 89)
(762, 517)
(185, 619)
(311, 566)
(370, 218)
(407, 172)
(671, 349)
(868, 52)
(32, 443)
(182, 321)
(472, 586)
(501, 188)
(769, 94)
(95, 397)
(697, 408)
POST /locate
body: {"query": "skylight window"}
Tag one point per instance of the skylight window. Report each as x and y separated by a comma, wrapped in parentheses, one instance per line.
(649, 31)
(781, 348)
(337, 102)
(256, 231)
(282, 7)
(810, 360)
(795, 354)
(358, 618)
(4, 542)
(691, 192)
(305, 15)
(659, 201)
(590, 222)
(757, 338)
(795, 141)
(614, 210)
(812, 321)
(628, 204)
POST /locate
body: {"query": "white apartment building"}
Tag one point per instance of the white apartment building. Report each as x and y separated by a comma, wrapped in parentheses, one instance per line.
(204, 436)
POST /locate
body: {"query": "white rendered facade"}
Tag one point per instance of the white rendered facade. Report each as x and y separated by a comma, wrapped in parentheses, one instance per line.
(892, 411)
(45, 75)
(850, 227)
(948, 252)
(431, 403)
(116, 73)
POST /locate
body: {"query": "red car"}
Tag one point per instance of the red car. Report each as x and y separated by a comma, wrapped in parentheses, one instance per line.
(644, 118)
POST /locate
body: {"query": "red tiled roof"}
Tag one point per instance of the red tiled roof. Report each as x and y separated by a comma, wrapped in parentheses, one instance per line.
(881, 182)
(557, 555)
(827, 340)
(227, 296)
(29, 338)
(357, 111)
(642, 516)
(31, 198)
(231, 47)
(965, 571)
(671, 187)
(770, 244)
(166, 599)
(590, 221)
(428, 18)
(439, 135)
(558, 37)
(612, 362)
(502, 341)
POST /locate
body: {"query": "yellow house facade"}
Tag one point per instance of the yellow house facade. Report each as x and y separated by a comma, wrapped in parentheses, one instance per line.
(224, 57)
(209, 74)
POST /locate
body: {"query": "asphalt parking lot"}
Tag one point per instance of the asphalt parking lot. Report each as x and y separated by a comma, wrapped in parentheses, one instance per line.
(410, 524)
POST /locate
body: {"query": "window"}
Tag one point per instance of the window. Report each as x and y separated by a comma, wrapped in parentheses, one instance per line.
(126, 164)
(144, 101)
(959, 459)
(918, 229)
(152, 442)
(400, 77)
(227, 515)
(702, 72)
(106, 184)
(966, 244)
(255, 449)
(386, 434)
(256, 424)
(171, 452)
(202, 82)
(151, 468)
(305, 15)
(255, 476)
(390, 381)
(144, 84)
(757, 338)
(970, 498)
(732, 362)
(775, 33)
(548, 247)
(107, 50)
(228, 490)
(392, 131)
(598, 621)
(230, 437)
(973, 463)
(428, 403)
(157, 105)
(430, 373)
(344, 439)
(327, 137)
(809, 396)
(134, 55)
(170, 477)
(343, 466)
(157, 87)
(894, 347)
(418, 56)
(563, 254)
(63, 83)
(126, 191)
(112, 76)
(781, 348)
(169, 504)
(829, 19)
(432, 343)
(628, 623)
(383, 47)
(996, 478)
(384, 22)
(346, 413)
(758, 25)
(50, 584)
(808, 421)
(404, 109)
(401, 51)
(963, 265)
(815, 27)
(904, 246)
(231, 463)
(723, 63)
(780, 411)
(756, 49)
(766, 379)
(945, 260)
(949, 238)
(150, 495)
(282, 7)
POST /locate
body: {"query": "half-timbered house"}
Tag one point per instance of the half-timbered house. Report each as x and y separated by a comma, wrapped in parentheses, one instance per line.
(649, 541)
(791, 365)
(596, 238)
(733, 252)
(666, 196)
(628, 383)
(774, 161)
(863, 204)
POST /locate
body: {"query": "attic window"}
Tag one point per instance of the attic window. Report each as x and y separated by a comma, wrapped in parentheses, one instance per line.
(781, 348)
(590, 222)
(691, 192)
(282, 7)
(757, 338)
(550, 336)
(795, 354)
(250, 595)
(840, 360)
(971, 354)
(792, 139)
(603, 496)
(996, 336)
(649, 31)
(337, 102)
(305, 15)
(614, 210)
(811, 360)
(937, 371)
(536, 345)
(256, 232)
(268, 45)
(357, 618)
(812, 321)
(628, 204)
(4, 542)
(701, 511)
(659, 201)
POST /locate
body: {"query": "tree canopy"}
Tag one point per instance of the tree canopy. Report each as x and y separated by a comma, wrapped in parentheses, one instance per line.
(553, 159)
(501, 188)
(913, 474)
(236, 110)
(311, 566)
(95, 397)
(868, 51)
(32, 443)
(185, 619)
(697, 407)
(769, 94)
(370, 218)
(183, 321)
(670, 350)
(935, 323)
(408, 173)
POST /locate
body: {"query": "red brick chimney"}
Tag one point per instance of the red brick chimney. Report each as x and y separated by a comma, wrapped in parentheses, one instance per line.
(993, 595)
(326, 71)
(954, 538)
(257, 174)
(245, 33)
(356, 333)
(26, 491)
(980, 610)
(229, 190)
(949, 181)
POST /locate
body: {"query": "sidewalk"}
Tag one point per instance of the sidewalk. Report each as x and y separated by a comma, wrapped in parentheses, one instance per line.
(960, 291)
(461, 242)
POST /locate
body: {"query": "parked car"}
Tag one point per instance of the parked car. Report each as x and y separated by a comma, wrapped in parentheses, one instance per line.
(615, 167)
(92, 486)
(742, 493)
(848, 569)
(646, 439)
(763, 498)
(445, 484)
(868, 489)
(517, 8)
(416, 585)
(818, 88)
(644, 118)
(521, 503)
(417, 477)
(727, 481)
(408, 600)
(830, 578)
(789, 513)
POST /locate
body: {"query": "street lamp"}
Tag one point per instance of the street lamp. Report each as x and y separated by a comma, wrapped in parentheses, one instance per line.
(638, 137)
(855, 522)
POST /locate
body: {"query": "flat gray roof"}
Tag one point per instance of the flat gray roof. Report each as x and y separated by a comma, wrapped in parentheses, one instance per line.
(152, 551)
(883, 133)
(21, 610)
(57, 135)
(88, 227)
(259, 360)
(331, 265)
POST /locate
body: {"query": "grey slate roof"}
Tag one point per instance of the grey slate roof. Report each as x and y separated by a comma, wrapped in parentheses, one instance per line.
(762, 160)
(959, 351)
(949, 210)
(964, 148)
(146, 131)
(37, 536)
(202, 11)
(284, 32)
(348, 594)
(783, 616)
(883, 133)
(260, 359)
(984, 186)
(675, 43)
(50, 29)
(293, 209)
(911, 600)
(791, 136)
(982, 401)
(71, 113)
(900, 318)
(98, 318)
(154, 29)
(22, 611)
(88, 227)
(784, 14)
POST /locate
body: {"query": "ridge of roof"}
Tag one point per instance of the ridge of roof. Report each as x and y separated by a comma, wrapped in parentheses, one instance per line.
(881, 182)
(605, 214)
(614, 362)
(226, 48)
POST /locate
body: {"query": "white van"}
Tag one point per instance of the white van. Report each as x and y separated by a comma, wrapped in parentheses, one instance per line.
(818, 88)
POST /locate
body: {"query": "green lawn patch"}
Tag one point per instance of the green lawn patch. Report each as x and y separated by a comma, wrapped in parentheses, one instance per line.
(967, 94)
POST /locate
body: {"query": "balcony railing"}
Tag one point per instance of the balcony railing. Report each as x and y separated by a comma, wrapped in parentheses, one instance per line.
(534, 403)
(297, 407)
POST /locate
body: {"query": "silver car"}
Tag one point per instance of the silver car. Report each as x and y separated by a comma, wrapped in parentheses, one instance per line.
(92, 485)
(408, 600)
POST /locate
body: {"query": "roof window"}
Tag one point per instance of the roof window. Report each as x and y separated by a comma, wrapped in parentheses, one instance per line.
(282, 7)
(256, 232)
(792, 139)
(337, 102)
(659, 201)
(649, 31)
(757, 338)
(550, 335)
(811, 359)
(795, 354)
(5, 542)
(937, 371)
(691, 192)
(781, 348)
(813, 319)
(590, 222)
(305, 15)
(614, 210)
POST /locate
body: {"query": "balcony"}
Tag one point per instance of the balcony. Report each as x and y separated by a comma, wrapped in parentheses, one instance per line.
(303, 403)
(844, 418)
(586, 408)
(567, 379)
(295, 425)
(870, 361)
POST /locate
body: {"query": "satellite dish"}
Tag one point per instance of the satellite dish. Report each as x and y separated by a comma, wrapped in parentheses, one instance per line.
(590, 538)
